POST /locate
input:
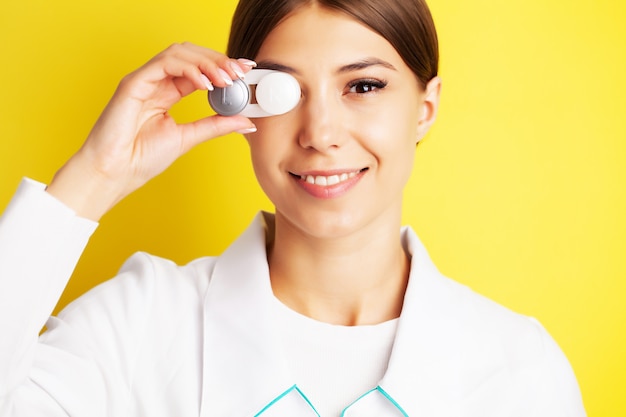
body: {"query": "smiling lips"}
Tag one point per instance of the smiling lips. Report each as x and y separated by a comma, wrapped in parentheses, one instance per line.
(329, 186)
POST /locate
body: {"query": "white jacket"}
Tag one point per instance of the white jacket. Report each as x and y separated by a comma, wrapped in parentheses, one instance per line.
(199, 340)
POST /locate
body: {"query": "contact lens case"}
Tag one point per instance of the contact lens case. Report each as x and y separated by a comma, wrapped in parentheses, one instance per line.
(261, 93)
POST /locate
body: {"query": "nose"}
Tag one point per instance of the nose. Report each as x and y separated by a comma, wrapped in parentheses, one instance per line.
(321, 124)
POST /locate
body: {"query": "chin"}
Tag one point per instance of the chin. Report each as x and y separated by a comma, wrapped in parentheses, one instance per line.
(326, 224)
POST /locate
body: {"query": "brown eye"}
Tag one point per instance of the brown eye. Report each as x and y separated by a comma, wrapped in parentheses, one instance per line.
(366, 86)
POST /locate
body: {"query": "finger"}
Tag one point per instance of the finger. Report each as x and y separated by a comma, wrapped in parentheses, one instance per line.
(246, 64)
(212, 60)
(227, 67)
(212, 127)
(203, 68)
(198, 63)
(185, 86)
(177, 61)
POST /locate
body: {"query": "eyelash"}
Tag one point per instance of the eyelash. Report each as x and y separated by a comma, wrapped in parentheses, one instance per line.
(371, 86)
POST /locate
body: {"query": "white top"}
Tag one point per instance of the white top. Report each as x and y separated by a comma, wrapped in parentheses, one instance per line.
(334, 364)
(202, 339)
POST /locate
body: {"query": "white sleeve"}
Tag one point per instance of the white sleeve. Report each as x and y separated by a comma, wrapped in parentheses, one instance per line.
(41, 241)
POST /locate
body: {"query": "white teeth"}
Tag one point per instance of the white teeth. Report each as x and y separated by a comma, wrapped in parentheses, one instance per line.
(330, 180)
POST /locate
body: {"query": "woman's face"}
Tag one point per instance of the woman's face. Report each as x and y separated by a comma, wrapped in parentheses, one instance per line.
(338, 162)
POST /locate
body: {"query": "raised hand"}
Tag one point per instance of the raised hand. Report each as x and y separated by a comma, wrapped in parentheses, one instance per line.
(135, 138)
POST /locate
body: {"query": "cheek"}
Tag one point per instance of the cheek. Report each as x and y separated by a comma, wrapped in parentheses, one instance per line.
(391, 137)
(267, 152)
(388, 130)
(258, 155)
(273, 142)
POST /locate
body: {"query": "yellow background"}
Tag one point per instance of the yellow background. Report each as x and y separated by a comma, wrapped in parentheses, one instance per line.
(519, 191)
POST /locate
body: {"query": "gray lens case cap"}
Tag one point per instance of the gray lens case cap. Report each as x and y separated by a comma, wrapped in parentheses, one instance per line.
(262, 93)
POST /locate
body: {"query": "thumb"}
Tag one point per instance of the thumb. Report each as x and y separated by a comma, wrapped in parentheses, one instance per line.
(212, 127)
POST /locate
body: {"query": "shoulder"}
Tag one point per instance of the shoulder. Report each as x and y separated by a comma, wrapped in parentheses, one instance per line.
(507, 351)
(499, 340)
(486, 347)
(492, 336)
(152, 274)
(488, 322)
(149, 287)
(145, 279)
(461, 314)
(149, 291)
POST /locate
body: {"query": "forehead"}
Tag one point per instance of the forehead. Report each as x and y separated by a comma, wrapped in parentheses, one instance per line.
(318, 37)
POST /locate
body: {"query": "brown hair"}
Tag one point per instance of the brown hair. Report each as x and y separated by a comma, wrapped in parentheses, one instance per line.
(406, 24)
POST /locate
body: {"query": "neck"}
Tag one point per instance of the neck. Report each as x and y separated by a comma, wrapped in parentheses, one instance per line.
(350, 280)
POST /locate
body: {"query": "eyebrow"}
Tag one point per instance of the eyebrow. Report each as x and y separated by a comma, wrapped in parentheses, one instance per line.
(365, 63)
(354, 66)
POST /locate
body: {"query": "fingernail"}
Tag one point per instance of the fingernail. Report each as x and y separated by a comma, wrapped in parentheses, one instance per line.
(247, 62)
(206, 82)
(237, 70)
(225, 76)
(247, 130)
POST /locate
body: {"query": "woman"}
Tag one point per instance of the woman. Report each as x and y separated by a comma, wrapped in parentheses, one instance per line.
(326, 308)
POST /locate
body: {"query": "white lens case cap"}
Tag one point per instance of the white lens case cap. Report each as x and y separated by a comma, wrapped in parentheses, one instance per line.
(274, 93)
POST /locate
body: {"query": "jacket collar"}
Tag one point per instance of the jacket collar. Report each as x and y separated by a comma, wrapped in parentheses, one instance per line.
(243, 366)
(244, 372)
(422, 371)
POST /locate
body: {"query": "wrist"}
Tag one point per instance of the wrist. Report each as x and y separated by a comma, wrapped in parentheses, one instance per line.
(81, 188)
